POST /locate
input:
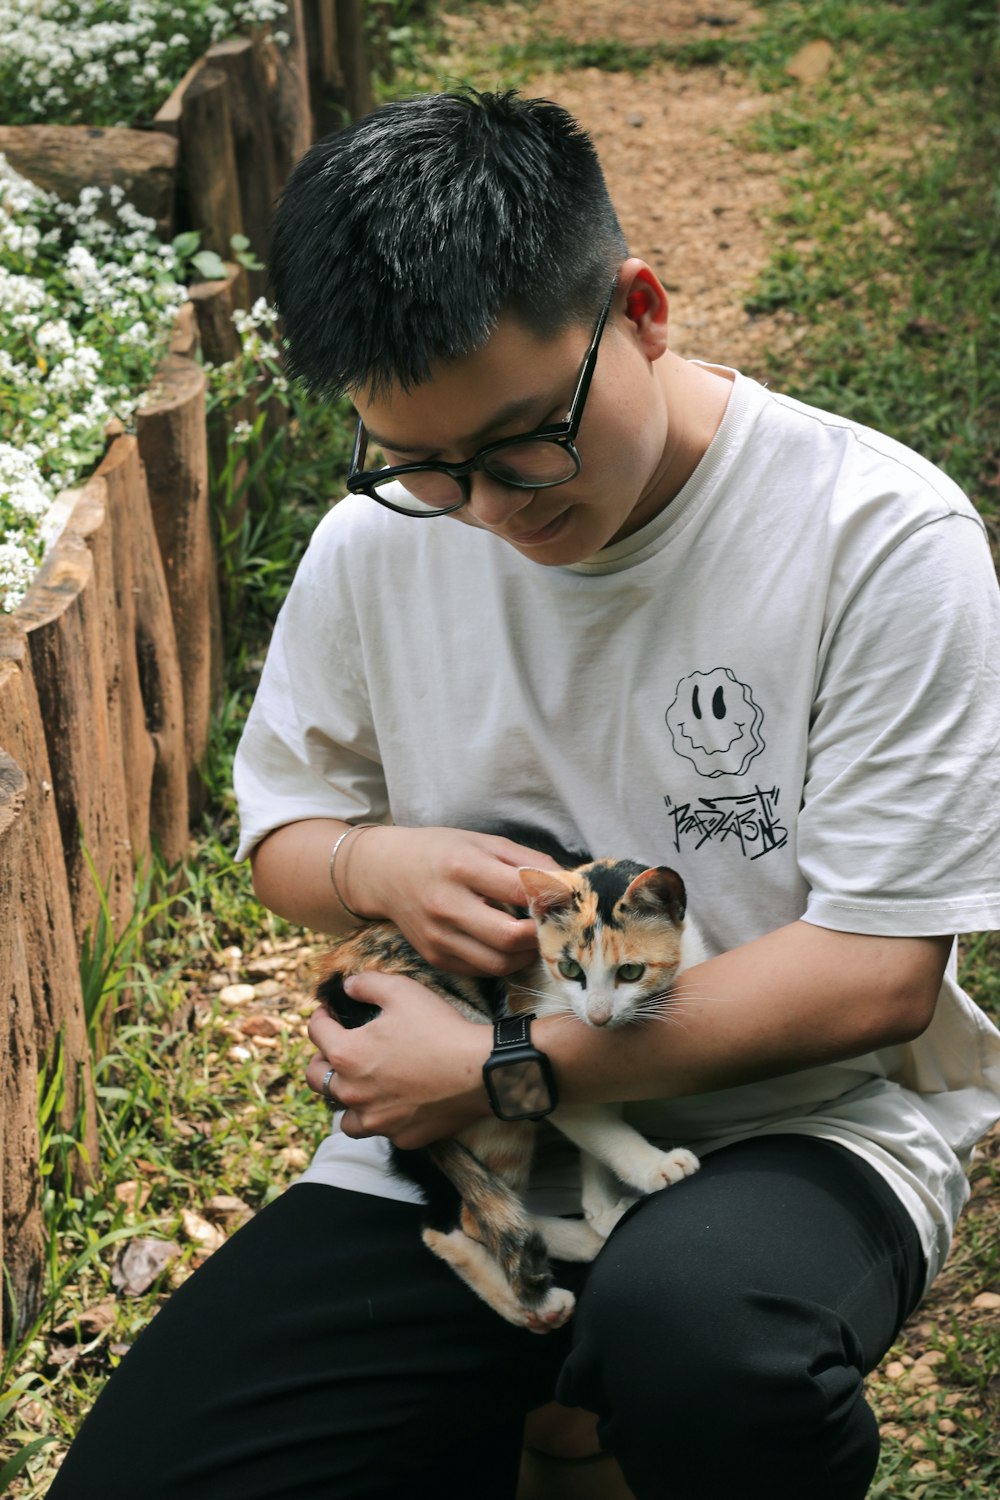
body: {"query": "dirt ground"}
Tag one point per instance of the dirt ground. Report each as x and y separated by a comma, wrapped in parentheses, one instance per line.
(691, 200)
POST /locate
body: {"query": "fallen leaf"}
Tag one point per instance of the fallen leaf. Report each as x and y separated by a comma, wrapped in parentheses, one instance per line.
(139, 1264)
(987, 1299)
(227, 1209)
(134, 1194)
(812, 62)
(200, 1232)
(261, 1026)
(89, 1323)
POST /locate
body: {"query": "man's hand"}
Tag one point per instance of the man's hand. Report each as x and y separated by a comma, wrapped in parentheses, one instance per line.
(443, 888)
(414, 1073)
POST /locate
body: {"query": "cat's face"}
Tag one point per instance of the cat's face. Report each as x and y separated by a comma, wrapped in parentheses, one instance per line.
(609, 935)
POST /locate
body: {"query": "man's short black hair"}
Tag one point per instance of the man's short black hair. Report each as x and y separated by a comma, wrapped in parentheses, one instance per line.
(402, 239)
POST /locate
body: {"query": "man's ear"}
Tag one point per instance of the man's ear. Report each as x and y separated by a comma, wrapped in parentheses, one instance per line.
(647, 306)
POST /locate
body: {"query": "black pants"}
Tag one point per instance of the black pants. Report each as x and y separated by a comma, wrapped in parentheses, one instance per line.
(722, 1335)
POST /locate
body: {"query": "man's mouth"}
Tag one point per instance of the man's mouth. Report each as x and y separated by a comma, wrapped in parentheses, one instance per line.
(539, 536)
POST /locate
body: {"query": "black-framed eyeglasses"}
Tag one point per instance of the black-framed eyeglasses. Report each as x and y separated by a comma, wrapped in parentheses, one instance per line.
(532, 461)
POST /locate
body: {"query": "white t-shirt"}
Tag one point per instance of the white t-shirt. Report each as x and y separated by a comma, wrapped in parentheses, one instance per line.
(785, 686)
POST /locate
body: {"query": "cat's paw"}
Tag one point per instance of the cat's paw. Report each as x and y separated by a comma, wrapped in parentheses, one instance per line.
(662, 1169)
(604, 1218)
(551, 1314)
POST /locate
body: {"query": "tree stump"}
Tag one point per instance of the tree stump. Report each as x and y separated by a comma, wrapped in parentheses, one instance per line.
(173, 446)
(326, 78)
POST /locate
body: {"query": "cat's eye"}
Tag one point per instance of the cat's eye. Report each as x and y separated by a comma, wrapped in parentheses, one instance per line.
(629, 973)
(570, 969)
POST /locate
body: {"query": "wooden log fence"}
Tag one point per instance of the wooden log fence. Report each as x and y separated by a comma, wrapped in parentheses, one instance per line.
(111, 666)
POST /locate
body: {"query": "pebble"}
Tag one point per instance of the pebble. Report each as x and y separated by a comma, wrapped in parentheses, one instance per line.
(946, 1427)
(239, 1054)
(987, 1300)
(237, 994)
(261, 1026)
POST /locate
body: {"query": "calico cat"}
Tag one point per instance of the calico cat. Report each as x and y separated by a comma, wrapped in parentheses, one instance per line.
(612, 938)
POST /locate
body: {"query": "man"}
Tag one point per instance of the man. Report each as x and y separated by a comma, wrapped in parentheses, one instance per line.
(607, 600)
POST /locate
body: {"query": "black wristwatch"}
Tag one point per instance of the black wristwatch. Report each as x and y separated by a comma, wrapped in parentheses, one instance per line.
(518, 1078)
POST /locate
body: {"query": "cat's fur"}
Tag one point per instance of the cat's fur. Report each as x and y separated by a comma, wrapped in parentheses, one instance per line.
(597, 918)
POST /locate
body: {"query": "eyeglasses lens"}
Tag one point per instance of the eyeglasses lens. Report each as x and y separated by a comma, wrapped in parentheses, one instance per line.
(423, 491)
(533, 465)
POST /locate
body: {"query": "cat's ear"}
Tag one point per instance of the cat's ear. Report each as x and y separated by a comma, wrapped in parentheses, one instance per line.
(547, 890)
(661, 889)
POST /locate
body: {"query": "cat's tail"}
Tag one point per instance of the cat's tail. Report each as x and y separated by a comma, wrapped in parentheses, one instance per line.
(493, 1214)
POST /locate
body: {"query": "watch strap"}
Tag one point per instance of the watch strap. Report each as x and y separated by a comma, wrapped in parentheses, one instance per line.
(512, 1031)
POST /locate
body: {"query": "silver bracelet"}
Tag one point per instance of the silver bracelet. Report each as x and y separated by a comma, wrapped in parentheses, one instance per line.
(354, 828)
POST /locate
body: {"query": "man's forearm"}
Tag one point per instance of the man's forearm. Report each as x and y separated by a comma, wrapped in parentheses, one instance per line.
(796, 998)
(291, 873)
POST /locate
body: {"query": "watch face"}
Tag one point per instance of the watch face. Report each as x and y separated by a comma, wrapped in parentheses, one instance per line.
(521, 1089)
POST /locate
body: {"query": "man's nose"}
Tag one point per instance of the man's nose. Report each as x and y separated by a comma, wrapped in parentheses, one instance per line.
(493, 503)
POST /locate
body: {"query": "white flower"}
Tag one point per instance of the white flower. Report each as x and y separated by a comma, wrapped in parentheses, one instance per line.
(242, 431)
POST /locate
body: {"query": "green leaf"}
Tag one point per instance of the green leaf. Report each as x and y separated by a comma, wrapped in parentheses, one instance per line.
(209, 265)
(185, 245)
(239, 242)
(13, 1467)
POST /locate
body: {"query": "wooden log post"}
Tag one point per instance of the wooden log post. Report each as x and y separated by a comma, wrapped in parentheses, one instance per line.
(214, 303)
(354, 60)
(285, 71)
(69, 618)
(152, 720)
(208, 161)
(46, 918)
(21, 1245)
(64, 158)
(326, 79)
(253, 143)
(173, 447)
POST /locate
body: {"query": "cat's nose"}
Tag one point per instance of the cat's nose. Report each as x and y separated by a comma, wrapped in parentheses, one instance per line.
(599, 1012)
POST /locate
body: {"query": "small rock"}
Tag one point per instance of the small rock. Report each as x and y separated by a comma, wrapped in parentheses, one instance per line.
(236, 994)
(987, 1300)
(267, 989)
(947, 1427)
(232, 955)
(635, 120)
(263, 968)
(894, 1369)
(239, 1054)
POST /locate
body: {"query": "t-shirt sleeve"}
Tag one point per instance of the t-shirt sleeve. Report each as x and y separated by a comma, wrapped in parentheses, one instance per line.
(309, 749)
(899, 831)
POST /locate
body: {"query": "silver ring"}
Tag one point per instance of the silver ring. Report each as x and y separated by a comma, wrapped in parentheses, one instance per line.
(330, 1097)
